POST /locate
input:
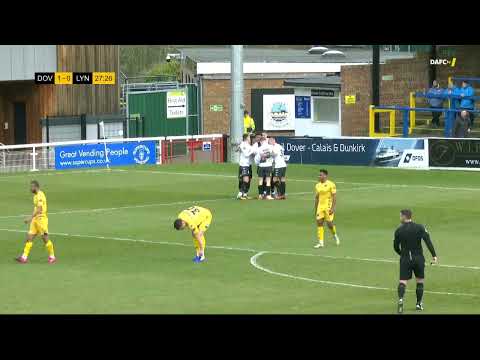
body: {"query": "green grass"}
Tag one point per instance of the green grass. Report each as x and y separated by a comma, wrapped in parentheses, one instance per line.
(101, 269)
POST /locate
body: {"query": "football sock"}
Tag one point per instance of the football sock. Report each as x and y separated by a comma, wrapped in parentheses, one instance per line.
(260, 189)
(282, 187)
(320, 232)
(49, 247)
(248, 185)
(401, 290)
(334, 230)
(419, 292)
(240, 182)
(27, 248)
(268, 189)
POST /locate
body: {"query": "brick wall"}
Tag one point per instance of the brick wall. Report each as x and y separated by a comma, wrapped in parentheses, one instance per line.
(408, 75)
(218, 92)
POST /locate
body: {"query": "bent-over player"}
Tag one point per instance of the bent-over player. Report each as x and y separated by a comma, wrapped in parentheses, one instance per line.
(197, 219)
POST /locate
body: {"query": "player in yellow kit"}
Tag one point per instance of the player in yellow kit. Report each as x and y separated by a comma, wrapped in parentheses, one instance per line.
(197, 219)
(38, 224)
(325, 202)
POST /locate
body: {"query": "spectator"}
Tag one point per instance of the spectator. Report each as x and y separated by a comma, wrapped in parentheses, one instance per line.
(435, 99)
(461, 129)
(248, 123)
(454, 89)
(467, 104)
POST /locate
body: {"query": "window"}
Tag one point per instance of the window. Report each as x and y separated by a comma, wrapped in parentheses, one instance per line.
(325, 109)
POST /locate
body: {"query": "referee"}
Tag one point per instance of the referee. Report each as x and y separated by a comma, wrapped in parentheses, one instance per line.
(408, 244)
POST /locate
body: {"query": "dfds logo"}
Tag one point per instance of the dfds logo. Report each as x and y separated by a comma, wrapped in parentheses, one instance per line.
(443, 62)
(410, 157)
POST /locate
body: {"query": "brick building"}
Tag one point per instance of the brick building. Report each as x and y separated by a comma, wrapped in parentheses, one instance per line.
(398, 78)
(265, 69)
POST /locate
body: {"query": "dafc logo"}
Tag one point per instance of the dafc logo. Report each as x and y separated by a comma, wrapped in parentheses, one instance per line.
(141, 154)
(451, 62)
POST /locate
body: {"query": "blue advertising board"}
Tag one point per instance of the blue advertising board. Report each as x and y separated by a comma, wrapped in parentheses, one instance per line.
(302, 107)
(390, 152)
(93, 155)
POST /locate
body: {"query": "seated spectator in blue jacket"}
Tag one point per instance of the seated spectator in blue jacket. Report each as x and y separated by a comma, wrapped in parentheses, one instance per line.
(467, 104)
(435, 100)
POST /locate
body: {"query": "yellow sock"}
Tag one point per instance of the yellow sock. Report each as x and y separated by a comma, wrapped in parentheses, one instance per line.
(204, 244)
(27, 248)
(334, 230)
(49, 246)
(320, 232)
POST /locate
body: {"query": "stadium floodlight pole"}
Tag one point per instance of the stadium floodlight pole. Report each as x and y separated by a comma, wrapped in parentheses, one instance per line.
(236, 115)
(102, 126)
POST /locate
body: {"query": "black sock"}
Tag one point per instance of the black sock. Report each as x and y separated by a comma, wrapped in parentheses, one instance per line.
(282, 187)
(245, 187)
(419, 292)
(275, 186)
(240, 182)
(260, 189)
(248, 184)
(401, 290)
(267, 188)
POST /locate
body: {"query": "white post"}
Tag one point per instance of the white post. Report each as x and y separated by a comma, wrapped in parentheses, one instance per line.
(102, 126)
(34, 159)
(236, 117)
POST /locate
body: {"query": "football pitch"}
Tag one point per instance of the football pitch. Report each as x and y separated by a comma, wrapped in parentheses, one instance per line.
(118, 253)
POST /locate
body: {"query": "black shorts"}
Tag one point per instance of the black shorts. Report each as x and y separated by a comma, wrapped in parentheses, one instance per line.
(264, 171)
(244, 171)
(280, 172)
(415, 265)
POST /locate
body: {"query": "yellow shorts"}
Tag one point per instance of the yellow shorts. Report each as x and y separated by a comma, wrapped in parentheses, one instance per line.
(323, 214)
(206, 223)
(38, 226)
(203, 227)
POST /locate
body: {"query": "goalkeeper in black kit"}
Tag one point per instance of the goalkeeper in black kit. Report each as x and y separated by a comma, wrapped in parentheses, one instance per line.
(408, 244)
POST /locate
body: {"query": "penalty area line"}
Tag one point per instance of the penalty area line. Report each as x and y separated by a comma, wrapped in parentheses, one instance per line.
(233, 248)
(256, 265)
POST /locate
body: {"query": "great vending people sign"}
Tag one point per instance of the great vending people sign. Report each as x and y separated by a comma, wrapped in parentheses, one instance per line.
(94, 155)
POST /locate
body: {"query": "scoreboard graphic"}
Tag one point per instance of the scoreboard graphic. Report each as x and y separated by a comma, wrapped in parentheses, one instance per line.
(75, 78)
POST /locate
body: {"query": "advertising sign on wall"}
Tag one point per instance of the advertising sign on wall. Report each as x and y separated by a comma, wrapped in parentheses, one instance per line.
(279, 112)
(454, 153)
(389, 152)
(303, 107)
(176, 104)
(93, 155)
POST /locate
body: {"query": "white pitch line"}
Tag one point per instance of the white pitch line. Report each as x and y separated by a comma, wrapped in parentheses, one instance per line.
(127, 207)
(255, 264)
(233, 248)
(313, 181)
(76, 211)
(53, 173)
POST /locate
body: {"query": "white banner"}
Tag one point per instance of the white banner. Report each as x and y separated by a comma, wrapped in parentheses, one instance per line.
(176, 104)
(279, 112)
(414, 158)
